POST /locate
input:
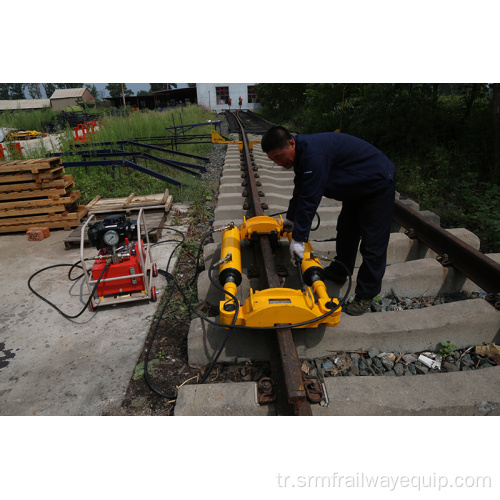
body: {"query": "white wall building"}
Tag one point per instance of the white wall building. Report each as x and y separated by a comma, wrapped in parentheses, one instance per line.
(216, 96)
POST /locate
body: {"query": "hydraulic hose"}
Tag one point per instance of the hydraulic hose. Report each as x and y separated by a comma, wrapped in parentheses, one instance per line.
(72, 266)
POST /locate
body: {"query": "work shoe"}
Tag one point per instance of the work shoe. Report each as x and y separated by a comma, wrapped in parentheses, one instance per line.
(331, 275)
(358, 306)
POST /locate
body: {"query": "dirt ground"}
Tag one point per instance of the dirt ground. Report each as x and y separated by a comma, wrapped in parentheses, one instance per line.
(168, 361)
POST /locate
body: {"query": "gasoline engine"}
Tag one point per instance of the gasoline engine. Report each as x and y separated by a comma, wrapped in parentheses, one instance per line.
(122, 269)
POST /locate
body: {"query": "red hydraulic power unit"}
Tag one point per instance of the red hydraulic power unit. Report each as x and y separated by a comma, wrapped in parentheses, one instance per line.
(122, 269)
(129, 265)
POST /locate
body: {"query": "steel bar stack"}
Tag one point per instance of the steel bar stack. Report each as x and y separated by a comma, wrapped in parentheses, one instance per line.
(37, 193)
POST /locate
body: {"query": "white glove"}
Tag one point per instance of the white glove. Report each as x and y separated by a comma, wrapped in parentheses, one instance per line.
(297, 250)
(288, 225)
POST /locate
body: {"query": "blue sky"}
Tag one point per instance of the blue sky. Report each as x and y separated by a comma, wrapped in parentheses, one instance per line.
(134, 87)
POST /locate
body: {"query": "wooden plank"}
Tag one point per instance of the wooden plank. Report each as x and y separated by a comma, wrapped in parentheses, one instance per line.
(19, 212)
(64, 182)
(145, 201)
(92, 203)
(29, 165)
(40, 219)
(67, 225)
(71, 198)
(168, 203)
(165, 196)
(126, 203)
(52, 225)
(53, 173)
(53, 194)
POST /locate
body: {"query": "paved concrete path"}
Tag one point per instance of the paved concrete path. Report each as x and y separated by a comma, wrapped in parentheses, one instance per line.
(53, 366)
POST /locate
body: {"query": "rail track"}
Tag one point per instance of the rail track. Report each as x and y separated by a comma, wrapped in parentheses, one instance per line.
(423, 259)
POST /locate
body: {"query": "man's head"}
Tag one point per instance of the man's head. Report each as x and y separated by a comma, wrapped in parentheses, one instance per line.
(279, 145)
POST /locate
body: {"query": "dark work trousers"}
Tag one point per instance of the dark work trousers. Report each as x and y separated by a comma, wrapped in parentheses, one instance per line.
(367, 219)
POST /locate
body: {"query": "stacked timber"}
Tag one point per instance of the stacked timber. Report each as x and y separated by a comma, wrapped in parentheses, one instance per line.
(37, 193)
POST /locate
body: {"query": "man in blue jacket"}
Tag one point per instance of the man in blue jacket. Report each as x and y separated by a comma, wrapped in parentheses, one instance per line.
(353, 171)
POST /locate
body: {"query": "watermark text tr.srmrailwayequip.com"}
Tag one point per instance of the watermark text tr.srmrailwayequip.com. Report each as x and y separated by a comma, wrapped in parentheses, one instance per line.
(388, 482)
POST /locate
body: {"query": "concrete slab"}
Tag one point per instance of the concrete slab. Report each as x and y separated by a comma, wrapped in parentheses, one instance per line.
(470, 393)
(424, 277)
(53, 366)
(39, 146)
(469, 322)
(233, 399)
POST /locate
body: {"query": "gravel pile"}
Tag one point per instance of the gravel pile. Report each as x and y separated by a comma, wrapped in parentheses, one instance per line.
(395, 303)
(376, 363)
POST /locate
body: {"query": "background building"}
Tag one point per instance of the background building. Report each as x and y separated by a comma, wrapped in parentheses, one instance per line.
(24, 104)
(161, 99)
(63, 98)
(216, 95)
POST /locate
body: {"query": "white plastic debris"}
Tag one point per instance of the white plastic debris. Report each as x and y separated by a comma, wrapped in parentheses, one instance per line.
(431, 363)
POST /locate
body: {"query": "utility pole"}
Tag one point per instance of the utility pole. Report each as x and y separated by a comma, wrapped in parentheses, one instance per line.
(123, 97)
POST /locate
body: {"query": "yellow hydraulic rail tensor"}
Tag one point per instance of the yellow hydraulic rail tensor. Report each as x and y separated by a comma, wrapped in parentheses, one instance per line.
(273, 306)
(218, 139)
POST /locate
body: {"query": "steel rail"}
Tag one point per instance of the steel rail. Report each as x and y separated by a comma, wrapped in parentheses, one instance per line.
(290, 362)
(254, 116)
(452, 251)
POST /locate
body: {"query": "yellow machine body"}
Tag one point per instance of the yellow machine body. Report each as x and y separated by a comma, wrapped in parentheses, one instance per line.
(273, 306)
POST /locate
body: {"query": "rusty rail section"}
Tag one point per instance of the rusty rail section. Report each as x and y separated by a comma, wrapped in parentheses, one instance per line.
(452, 251)
(291, 369)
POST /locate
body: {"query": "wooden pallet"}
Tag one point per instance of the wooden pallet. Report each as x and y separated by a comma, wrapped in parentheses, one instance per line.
(50, 174)
(132, 202)
(36, 193)
(33, 166)
(66, 181)
(66, 220)
(155, 214)
(49, 203)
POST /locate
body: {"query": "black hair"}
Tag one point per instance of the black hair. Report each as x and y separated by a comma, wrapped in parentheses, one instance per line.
(275, 138)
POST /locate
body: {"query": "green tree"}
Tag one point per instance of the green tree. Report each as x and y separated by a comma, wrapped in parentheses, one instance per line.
(4, 91)
(34, 90)
(496, 132)
(92, 89)
(115, 89)
(16, 91)
(282, 98)
(155, 87)
(49, 88)
(69, 85)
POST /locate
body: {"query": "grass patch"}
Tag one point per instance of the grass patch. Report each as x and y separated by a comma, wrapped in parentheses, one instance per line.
(454, 191)
(119, 181)
(26, 119)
